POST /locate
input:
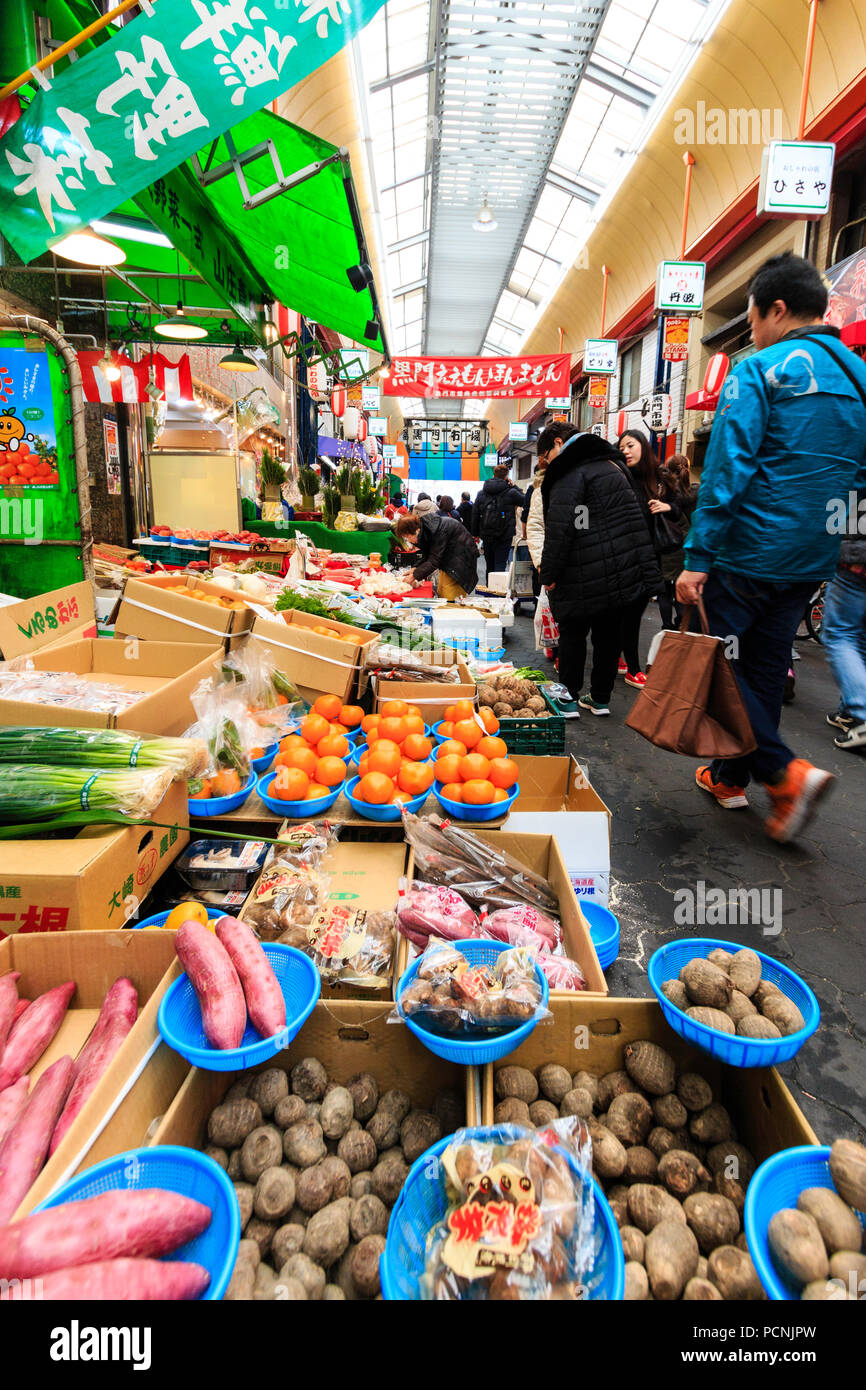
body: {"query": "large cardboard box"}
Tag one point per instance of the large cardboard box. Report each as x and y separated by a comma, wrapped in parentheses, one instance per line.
(37, 624)
(93, 882)
(151, 608)
(167, 673)
(431, 697)
(551, 791)
(590, 1034)
(316, 664)
(143, 1064)
(347, 1036)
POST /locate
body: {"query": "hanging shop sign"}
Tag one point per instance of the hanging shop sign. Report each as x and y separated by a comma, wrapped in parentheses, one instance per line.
(518, 431)
(370, 399)
(378, 424)
(676, 340)
(435, 438)
(680, 285)
(174, 379)
(796, 178)
(455, 437)
(557, 403)
(597, 430)
(165, 86)
(112, 455)
(599, 355)
(488, 378)
(355, 363)
(598, 392)
(389, 451)
(657, 412)
(28, 438)
(417, 439)
(319, 383)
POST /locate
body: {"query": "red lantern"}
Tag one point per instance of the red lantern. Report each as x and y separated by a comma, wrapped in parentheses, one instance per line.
(716, 373)
(338, 401)
(362, 429)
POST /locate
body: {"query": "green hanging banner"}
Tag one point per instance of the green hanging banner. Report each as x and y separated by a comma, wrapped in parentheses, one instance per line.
(138, 106)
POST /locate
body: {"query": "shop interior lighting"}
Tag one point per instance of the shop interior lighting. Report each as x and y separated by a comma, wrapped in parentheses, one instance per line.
(109, 367)
(485, 221)
(237, 361)
(179, 327)
(87, 248)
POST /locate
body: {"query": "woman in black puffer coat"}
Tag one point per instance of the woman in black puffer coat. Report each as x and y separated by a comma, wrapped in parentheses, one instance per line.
(598, 558)
(444, 545)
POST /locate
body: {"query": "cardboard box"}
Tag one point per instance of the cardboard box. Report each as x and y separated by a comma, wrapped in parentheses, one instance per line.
(316, 664)
(589, 1034)
(551, 790)
(152, 610)
(347, 1036)
(168, 673)
(362, 877)
(37, 624)
(431, 697)
(91, 883)
(106, 1124)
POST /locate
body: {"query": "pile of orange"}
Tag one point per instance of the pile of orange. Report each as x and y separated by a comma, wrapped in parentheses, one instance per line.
(310, 763)
(472, 766)
(393, 768)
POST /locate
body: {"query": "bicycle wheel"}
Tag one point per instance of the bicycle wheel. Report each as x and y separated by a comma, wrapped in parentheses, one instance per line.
(814, 618)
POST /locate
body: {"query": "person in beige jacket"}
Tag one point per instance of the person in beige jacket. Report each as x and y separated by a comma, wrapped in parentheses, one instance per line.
(533, 526)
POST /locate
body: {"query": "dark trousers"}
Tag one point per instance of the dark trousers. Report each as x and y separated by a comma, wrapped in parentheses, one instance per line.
(759, 620)
(669, 609)
(496, 555)
(606, 632)
(632, 614)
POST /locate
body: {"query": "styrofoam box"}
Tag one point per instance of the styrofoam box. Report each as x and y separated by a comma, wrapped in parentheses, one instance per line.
(584, 841)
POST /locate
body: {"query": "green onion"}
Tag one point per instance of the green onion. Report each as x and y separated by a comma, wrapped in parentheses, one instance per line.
(183, 757)
(31, 792)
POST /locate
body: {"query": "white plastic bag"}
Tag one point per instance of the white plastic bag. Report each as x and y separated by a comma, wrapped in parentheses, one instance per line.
(546, 627)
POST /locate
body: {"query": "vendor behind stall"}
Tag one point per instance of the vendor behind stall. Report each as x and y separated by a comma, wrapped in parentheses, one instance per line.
(442, 544)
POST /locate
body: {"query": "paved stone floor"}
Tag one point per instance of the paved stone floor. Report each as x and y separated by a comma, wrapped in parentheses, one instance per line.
(668, 835)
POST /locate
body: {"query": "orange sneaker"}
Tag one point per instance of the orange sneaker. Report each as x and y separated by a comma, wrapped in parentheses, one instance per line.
(795, 799)
(732, 798)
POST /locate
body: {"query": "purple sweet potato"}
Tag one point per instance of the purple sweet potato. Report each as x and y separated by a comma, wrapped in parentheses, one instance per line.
(265, 1002)
(12, 1102)
(116, 1017)
(23, 1151)
(8, 1001)
(146, 1222)
(33, 1032)
(126, 1281)
(215, 981)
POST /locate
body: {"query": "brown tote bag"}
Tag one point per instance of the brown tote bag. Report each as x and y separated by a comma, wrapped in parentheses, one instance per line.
(691, 702)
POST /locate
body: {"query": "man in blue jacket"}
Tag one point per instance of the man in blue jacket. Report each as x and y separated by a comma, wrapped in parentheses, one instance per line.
(789, 442)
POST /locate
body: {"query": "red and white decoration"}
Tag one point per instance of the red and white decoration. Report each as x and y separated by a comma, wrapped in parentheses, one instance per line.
(338, 402)
(708, 397)
(174, 379)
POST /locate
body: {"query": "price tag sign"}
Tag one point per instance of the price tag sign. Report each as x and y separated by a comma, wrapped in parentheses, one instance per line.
(378, 424)
(796, 179)
(599, 355)
(680, 286)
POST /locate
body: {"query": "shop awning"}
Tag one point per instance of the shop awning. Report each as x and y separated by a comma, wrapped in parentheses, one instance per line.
(702, 400)
(854, 334)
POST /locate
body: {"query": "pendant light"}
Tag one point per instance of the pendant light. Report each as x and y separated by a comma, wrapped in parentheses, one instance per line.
(237, 361)
(179, 328)
(87, 248)
(485, 221)
(108, 366)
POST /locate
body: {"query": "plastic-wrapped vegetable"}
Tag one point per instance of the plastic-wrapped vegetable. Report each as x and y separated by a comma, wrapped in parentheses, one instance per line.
(451, 996)
(450, 854)
(429, 909)
(303, 846)
(32, 792)
(108, 748)
(348, 945)
(560, 972)
(285, 897)
(511, 923)
(271, 699)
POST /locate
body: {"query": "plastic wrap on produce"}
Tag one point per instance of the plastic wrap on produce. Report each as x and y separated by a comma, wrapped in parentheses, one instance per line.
(34, 792)
(303, 845)
(65, 689)
(450, 854)
(272, 701)
(183, 757)
(426, 910)
(452, 996)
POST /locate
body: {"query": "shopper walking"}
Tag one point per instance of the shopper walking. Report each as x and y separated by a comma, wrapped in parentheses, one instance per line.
(493, 518)
(597, 559)
(671, 515)
(844, 631)
(445, 545)
(464, 510)
(446, 508)
(424, 505)
(643, 467)
(789, 441)
(533, 521)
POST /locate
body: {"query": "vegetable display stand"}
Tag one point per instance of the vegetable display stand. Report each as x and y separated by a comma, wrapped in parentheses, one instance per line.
(540, 736)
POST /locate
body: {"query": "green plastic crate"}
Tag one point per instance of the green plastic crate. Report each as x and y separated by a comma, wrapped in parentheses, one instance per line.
(539, 736)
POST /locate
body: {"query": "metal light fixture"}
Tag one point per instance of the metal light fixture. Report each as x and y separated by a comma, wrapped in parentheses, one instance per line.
(179, 327)
(485, 221)
(108, 366)
(237, 361)
(87, 248)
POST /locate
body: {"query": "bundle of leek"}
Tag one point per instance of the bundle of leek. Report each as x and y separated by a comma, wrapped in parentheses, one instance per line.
(31, 791)
(182, 757)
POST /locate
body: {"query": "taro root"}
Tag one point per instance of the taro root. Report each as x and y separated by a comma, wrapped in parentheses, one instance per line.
(706, 985)
(309, 1079)
(650, 1067)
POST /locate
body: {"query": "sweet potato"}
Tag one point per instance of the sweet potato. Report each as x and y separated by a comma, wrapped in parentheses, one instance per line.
(21, 1007)
(33, 1032)
(216, 984)
(12, 1102)
(265, 1002)
(126, 1281)
(8, 1001)
(116, 1017)
(848, 1170)
(23, 1151)
(147, 1222)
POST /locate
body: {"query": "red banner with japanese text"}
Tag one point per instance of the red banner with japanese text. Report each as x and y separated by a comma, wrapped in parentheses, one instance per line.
(484, 378)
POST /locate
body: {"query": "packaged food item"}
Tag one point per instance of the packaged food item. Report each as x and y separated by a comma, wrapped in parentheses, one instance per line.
(450, 995)
(429, 909)
(64, 688)
(561, 972)
(304, 844)
(353, 946)
(519, 1221)
(450, 854)
(222, 865)
(285, 896)
(512, 923)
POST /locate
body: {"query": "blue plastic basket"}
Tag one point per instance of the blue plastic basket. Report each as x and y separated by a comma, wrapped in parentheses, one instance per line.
(380, 813)
(260, 765)
(472, 1051)
(473, 646)
(604, 930)
(159, 919)
(179, 1017)
(175, 1169)
(495, 811)
(776, 1185)
(666, 964)
(423, 1203)
(295, 810)
(221, 805)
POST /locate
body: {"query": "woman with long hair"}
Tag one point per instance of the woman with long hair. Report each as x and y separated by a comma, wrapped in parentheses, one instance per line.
(643, 468)
(677, 499)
